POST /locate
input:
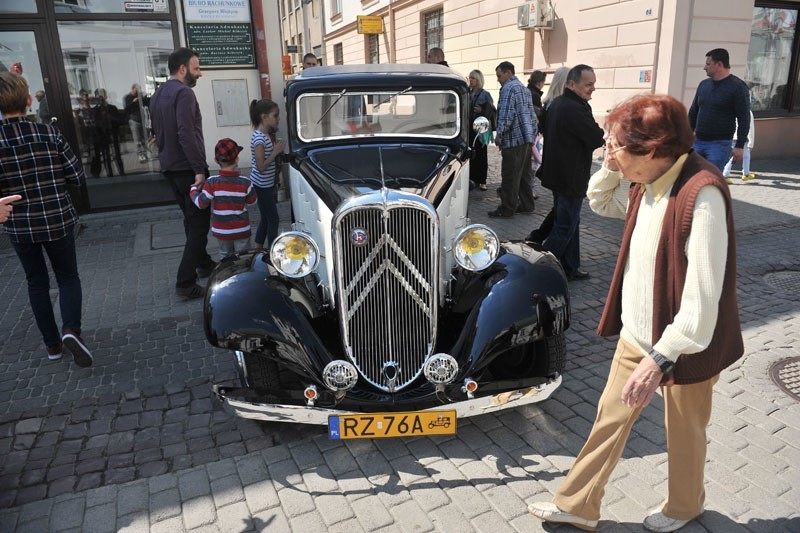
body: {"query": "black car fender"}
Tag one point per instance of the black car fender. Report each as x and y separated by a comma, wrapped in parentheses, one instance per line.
(523, 297)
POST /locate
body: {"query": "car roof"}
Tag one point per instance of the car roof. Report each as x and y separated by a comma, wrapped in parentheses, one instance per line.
(387, 76)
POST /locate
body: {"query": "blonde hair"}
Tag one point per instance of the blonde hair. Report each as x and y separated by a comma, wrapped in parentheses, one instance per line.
(478, 75)
(13, 93)
(557, 84)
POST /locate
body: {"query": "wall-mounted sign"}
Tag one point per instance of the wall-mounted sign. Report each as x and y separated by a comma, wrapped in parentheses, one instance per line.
(369, 24)
(221, 32)
(286, 65)
(222, 44)
(216, 10)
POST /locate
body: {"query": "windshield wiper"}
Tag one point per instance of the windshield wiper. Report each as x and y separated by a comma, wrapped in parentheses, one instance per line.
(389, 98)
(325, 114)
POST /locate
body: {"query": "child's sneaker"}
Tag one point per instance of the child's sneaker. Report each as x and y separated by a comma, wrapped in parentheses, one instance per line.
(748, 177)
(77, 347)
(54, 352)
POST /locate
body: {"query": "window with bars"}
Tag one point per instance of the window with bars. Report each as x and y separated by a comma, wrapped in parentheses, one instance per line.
(772, 72)
(373, 50)
(338, 54)
(432, 30)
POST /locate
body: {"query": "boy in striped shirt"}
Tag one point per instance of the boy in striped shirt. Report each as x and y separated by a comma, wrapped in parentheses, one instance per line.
(228, 194)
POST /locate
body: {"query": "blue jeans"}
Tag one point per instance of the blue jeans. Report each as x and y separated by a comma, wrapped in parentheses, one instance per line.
(65, 266)
(563, 240)
(268, 207)
(717, 152)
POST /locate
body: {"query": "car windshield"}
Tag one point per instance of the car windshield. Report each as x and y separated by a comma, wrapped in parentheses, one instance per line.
(404, 113)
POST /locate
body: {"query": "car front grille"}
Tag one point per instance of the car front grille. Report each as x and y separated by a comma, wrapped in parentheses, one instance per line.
(387, 255)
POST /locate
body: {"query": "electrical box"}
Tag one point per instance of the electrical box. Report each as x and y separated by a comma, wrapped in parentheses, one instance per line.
(535, 15)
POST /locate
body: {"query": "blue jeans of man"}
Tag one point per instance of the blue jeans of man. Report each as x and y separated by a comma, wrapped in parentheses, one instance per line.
(196, 223)
(717, 152)
(64, 261)
(564, 240)
(267, 230)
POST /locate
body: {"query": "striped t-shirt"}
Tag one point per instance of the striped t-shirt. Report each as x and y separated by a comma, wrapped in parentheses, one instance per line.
(228, 195)
(267, 178)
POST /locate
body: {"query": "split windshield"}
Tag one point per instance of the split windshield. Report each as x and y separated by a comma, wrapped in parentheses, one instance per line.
(397, 113)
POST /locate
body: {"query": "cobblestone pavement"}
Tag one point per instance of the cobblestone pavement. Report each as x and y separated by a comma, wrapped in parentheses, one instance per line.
(133, 444)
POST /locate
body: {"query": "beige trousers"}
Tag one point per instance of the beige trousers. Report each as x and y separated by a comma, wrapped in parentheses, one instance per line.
(687, 411)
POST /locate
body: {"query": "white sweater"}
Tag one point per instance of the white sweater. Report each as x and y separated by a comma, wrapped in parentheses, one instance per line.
(706, 251)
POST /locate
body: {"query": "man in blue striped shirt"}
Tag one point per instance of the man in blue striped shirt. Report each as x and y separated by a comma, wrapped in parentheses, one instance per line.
(516, 131)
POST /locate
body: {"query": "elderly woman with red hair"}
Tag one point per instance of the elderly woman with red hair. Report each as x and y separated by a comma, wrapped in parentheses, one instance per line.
(672, 301)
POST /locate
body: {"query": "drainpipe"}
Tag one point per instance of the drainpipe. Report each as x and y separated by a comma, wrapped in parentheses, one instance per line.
(658, 46)
(260, 36)
(392, 51)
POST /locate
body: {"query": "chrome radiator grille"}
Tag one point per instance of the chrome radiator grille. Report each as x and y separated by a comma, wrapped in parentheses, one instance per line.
(387, 274)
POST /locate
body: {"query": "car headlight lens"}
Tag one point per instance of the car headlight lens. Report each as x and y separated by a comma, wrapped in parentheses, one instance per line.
(476, 247)
(294, 254)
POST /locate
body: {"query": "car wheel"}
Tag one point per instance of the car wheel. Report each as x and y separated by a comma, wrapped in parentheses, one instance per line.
(544, 357)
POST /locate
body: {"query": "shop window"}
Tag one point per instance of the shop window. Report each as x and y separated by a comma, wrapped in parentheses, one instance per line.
(774, 83)
(432, 31)
(17, 6)
(338, 54)
(109, 6)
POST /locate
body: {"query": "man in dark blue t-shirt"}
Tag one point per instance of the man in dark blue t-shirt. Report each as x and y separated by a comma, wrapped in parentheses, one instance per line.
(720, 103)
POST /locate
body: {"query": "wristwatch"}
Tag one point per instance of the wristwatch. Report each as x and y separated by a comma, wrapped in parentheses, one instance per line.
(663, 363)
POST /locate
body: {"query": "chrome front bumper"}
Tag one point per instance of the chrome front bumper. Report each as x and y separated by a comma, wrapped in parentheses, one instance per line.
(316, 415)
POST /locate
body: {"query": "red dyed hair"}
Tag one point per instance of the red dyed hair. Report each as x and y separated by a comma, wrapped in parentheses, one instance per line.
(652, 122)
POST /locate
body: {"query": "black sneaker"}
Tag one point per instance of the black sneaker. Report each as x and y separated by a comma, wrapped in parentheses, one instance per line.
(522, 211)
(191, 292)
(204, 272)
(77, 347)
(578, 275)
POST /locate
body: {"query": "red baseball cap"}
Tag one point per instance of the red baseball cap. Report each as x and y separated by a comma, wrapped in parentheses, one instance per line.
(226, 150)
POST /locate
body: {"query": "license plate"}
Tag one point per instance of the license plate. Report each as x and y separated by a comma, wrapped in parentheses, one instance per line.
(380, 425)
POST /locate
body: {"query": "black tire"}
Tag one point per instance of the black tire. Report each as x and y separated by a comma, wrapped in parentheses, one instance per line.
(545, 357)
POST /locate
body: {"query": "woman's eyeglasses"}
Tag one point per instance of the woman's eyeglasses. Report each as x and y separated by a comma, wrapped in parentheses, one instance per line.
(612, 151)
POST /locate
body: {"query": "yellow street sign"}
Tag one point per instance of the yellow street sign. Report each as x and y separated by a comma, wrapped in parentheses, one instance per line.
(370, 24)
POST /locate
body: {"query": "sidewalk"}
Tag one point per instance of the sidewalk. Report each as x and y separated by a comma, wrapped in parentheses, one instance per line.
(133, 444)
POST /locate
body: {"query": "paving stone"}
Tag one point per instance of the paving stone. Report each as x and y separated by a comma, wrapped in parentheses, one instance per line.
(371, 513)
(68, 513)
(261, 495)
(164, 504)
(227, 490)
(194, 483)
(100, 518)
(198, 511)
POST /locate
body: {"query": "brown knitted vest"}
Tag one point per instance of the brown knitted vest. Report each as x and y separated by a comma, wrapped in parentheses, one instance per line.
(670, 274)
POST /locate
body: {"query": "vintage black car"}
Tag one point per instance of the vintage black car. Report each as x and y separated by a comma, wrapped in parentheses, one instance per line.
(385, 300)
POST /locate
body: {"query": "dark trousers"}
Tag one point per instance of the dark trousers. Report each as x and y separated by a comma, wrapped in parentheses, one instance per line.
(515, 187)
(268, 207)
(65, 266)
(196, 223)
(564, 241)
(479, 165)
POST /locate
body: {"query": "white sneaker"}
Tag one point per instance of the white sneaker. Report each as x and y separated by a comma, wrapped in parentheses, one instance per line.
(549, 512)
(658, 521)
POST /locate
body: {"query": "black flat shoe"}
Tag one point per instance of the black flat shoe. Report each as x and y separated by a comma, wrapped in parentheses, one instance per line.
(578, 275)
(499, 214)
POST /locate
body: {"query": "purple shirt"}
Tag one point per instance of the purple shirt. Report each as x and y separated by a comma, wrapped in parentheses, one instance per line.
(178, 125)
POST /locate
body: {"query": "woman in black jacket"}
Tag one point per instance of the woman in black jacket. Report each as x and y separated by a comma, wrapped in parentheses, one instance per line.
(481, 105)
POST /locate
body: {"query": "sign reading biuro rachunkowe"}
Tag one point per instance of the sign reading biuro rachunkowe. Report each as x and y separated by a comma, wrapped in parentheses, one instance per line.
(220, 31)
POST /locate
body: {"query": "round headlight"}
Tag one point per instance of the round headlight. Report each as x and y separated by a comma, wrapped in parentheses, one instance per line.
(339, 375)
(294, 254)
(476, 247)
(441, 368)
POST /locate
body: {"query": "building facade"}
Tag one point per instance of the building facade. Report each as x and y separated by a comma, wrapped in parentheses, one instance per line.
(85, 60)
(302, 28)
(634, 46)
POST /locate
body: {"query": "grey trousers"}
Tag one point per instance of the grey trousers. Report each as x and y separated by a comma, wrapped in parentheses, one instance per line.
(515, 187)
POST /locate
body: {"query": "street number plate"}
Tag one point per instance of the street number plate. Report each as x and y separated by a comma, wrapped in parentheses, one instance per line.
(380, 425)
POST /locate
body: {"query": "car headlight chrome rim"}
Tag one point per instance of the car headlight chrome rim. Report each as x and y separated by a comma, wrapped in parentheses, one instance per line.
(441, 368)
(294, 254)
(476, 247)
(339, 375)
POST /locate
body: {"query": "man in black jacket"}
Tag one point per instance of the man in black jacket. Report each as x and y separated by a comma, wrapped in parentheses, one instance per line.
(571, 135)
